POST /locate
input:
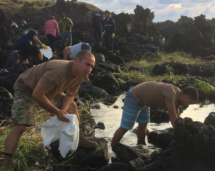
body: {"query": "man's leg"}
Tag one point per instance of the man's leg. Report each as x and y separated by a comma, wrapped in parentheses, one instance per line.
(141, 133)
(73, 110)
(64, 37)
(120, 132)
(110, 43)
(143, 119)
(95, 36)
(99, 33)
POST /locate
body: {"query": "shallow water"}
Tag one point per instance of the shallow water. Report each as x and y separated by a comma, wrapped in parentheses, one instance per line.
(111, 118)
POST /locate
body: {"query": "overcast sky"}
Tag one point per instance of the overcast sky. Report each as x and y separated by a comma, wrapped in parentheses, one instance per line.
(163, 9)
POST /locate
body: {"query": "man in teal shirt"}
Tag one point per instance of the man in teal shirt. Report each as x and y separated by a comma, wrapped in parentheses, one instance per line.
(67, 29)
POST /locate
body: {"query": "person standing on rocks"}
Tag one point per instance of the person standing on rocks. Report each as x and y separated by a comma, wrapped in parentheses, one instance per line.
(50, 30)
(43, 86)
(98, 24)
(67, 29)
(140, 98)
(109, 32)
(26, 47)
(13, 58)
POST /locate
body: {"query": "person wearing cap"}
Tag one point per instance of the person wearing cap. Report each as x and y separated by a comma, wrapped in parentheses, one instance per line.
(67, 29)
(13, 58)
(50, 30)
(26, 47)
(71, 52)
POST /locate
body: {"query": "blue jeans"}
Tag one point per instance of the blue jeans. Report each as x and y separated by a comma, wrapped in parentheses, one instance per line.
(67, 37)
(133, 112)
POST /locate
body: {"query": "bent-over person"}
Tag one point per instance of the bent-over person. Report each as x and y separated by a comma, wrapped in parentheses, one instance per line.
(43, 86)
(140, 98)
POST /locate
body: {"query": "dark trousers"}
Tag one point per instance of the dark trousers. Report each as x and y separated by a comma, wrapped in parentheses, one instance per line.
(108, 41)
(51, 41)
(97, 36)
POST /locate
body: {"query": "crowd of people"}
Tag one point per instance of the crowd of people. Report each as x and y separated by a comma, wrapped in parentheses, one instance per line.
(44, 85)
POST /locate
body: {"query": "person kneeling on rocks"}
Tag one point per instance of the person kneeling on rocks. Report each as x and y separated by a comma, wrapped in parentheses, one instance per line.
(13, 58)
(26, 46)
(71, 52)
(140, 98)
(43, 85)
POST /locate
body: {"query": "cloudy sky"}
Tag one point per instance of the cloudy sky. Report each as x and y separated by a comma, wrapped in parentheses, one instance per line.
(163, 9)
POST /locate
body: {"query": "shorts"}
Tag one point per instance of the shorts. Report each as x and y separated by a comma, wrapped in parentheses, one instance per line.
(67, 37)
(27, 49)
(25, 108)
(133, 112)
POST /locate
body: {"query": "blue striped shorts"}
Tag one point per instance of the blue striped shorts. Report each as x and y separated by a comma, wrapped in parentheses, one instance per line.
(133, 112)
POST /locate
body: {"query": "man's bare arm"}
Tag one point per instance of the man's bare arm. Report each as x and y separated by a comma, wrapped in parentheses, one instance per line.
(66, 53)
(67, 100)
(39, 95)
(171, 110)
(37, 40)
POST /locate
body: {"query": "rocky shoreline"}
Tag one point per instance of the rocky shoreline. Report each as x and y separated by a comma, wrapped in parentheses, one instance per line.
(191, 145)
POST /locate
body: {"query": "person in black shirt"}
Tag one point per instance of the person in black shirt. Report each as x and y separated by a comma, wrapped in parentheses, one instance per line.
(97, 24)
(109, 31)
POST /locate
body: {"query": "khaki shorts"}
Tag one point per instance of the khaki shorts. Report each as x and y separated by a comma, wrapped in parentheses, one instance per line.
(25, 108)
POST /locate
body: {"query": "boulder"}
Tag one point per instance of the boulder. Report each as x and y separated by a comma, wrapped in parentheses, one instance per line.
(179, 68)
(161, 138)
(85, 157)
(210, 58)
(109, 66)
(116, 166)
(129, 84)
(106, 81)
(93, 91)
(88, 128)
(159, 69)
(132, 68)
(100, 49)
(100, 58)
(151, 47)
(127, 154)
(115, 59)
(210, 119)
(6, 103)
(138, 38)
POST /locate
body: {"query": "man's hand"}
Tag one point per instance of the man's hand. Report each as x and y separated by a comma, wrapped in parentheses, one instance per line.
(61, 116)
(171, 110)
(102, 34)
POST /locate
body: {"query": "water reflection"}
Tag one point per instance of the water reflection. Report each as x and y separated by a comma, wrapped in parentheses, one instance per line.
(111, 117)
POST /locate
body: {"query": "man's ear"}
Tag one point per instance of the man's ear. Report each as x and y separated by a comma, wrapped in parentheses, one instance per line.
(187, 96)
(77, 60)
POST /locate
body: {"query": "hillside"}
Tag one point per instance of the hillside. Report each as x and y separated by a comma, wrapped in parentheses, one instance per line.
(11, 8)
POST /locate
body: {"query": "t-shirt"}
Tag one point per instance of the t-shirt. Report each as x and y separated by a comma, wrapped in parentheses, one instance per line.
(55, 76)
(51, 26)
(11, 59)
(66, 23)
(75, 49)
(153, 94)
(27, 35)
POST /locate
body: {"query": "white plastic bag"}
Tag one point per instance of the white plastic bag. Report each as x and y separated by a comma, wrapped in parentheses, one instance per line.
(47, 52)
(67, 133)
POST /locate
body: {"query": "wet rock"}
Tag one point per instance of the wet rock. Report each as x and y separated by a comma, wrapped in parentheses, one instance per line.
(161, 138)
(93, 91)
(116, 167)
(193, 143)
(100, 58)
(179, 68)
(109, 100)
(159, 69)
(137, 163)
(95, 106)
(127, 154)
(106, 81)
(100, 125)
(109, 66)
(115, 59)
(96, 70)
(210, 119)
(132, 68)
(115, 107)
(88, 128)
(158, 116)
(6, 103)
(85, 157)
